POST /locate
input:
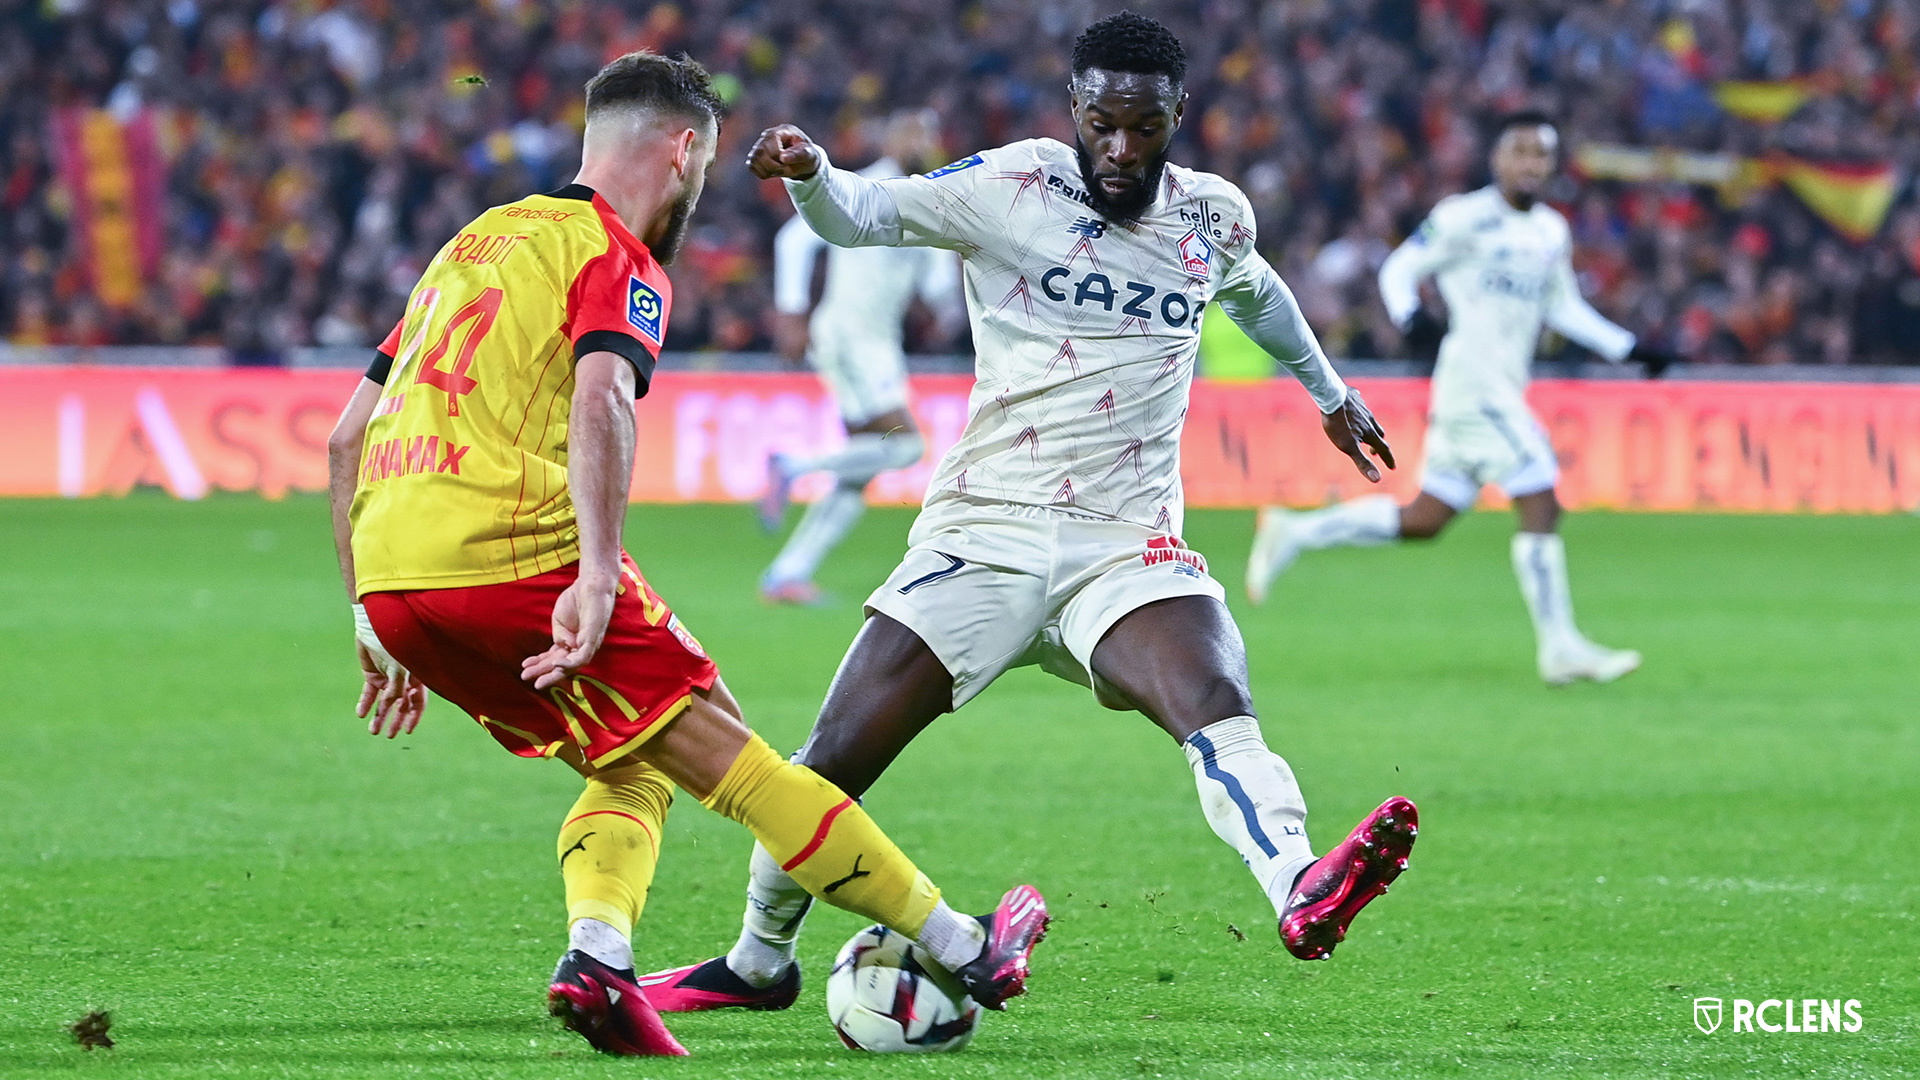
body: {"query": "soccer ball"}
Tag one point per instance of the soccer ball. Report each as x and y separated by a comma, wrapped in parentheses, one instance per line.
(887, 994)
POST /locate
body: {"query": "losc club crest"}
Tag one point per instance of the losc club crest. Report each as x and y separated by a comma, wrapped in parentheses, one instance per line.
(1196, 254)
(1706, 1015)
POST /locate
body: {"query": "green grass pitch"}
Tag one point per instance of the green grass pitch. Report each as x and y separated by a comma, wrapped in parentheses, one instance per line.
(200, 838)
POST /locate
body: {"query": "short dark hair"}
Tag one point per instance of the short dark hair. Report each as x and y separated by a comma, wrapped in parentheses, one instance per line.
(1125, 41)
(1523, 118)
(647, 80)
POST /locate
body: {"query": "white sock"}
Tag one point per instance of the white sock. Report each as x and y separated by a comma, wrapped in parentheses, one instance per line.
(1540, 562)
(954, 939)
(1252, 801)
(1373, 519)
(776, 908)
(865, 456)
(825, 524)
(602, 942)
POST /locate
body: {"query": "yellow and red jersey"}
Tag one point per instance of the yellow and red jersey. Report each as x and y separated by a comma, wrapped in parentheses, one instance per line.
(463, 480)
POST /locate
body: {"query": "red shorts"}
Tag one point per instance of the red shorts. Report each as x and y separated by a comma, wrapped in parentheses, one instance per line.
(467, 643)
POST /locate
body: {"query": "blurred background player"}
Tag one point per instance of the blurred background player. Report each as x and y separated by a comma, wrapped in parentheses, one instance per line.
(854, 340)
(1051, 530)
(533, 619)
(1503, 262)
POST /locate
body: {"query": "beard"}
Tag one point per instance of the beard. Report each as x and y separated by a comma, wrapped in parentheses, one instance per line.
(675, 232)
(1130, 206)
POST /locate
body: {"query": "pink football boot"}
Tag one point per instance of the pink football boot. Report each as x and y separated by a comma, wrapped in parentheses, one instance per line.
(1334, 889)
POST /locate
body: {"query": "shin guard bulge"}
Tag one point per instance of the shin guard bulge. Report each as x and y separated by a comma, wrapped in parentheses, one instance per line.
(610, 844)
(1252, 801)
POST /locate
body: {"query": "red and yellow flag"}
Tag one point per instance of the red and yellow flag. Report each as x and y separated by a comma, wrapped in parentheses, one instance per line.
(112, 171)
(1852, 197)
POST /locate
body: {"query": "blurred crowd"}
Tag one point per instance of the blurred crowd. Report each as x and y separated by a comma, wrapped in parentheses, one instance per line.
(316, 153)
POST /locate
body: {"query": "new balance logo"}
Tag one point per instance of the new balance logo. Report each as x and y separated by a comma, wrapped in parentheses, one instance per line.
(1091, 228)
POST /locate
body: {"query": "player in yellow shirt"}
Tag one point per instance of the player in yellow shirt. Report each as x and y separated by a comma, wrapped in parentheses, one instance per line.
(479, 478)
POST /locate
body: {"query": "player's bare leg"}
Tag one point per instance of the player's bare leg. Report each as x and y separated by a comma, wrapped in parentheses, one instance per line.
(888, 689)
(888, 441)
(1540, 565)
(1182, 663)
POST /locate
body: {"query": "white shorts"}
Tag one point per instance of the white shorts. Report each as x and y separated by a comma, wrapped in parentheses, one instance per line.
(866, 373)
(1018, 585)
(1502, 446)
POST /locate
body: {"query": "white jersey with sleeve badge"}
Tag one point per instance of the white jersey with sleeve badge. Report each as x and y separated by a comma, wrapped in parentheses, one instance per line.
(1504, 272)
(1086, 331)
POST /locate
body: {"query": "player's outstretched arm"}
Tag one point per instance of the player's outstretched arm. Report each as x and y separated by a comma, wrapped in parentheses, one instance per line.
(599, 476)
(388, 692)
(842, 207)
(1262, 305)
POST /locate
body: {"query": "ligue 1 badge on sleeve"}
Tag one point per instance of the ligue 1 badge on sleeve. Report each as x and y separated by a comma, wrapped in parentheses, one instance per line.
(1706, 1015)
(952, 167)
(644, 308)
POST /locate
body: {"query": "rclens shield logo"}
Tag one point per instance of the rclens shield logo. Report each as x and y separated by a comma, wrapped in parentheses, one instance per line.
(1802, 1016)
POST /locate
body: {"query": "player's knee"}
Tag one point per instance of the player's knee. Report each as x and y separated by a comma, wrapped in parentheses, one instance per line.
(1214, 698)
(1425, 519)
(1421, 528)
(839, 762)
(1539, 513)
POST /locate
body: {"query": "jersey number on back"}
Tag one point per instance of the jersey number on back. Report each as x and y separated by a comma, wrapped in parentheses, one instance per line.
(479, 313)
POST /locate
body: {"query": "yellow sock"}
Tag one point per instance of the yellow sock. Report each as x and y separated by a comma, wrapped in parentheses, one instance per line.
(610, 843)
(823, 839)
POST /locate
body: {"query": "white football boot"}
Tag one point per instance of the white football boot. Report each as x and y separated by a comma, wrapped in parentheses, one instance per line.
(1274, 549)
(1577, 658)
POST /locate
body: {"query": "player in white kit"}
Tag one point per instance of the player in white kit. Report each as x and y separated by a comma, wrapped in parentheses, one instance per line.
(1051, 531)
(853, 339)
(1503, 262)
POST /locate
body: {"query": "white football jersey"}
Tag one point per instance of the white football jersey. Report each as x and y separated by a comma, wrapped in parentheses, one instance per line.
(1086, 331)
(1503, 272)
(868, 289)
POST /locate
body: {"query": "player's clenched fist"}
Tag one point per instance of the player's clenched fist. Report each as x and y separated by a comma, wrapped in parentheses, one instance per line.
(784, 151)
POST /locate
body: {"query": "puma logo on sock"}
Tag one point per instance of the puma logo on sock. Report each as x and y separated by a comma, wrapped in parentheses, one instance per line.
(857, 873)
(581, 845)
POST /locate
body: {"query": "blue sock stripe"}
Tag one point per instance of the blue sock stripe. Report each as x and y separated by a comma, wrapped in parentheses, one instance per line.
(1234, 791)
